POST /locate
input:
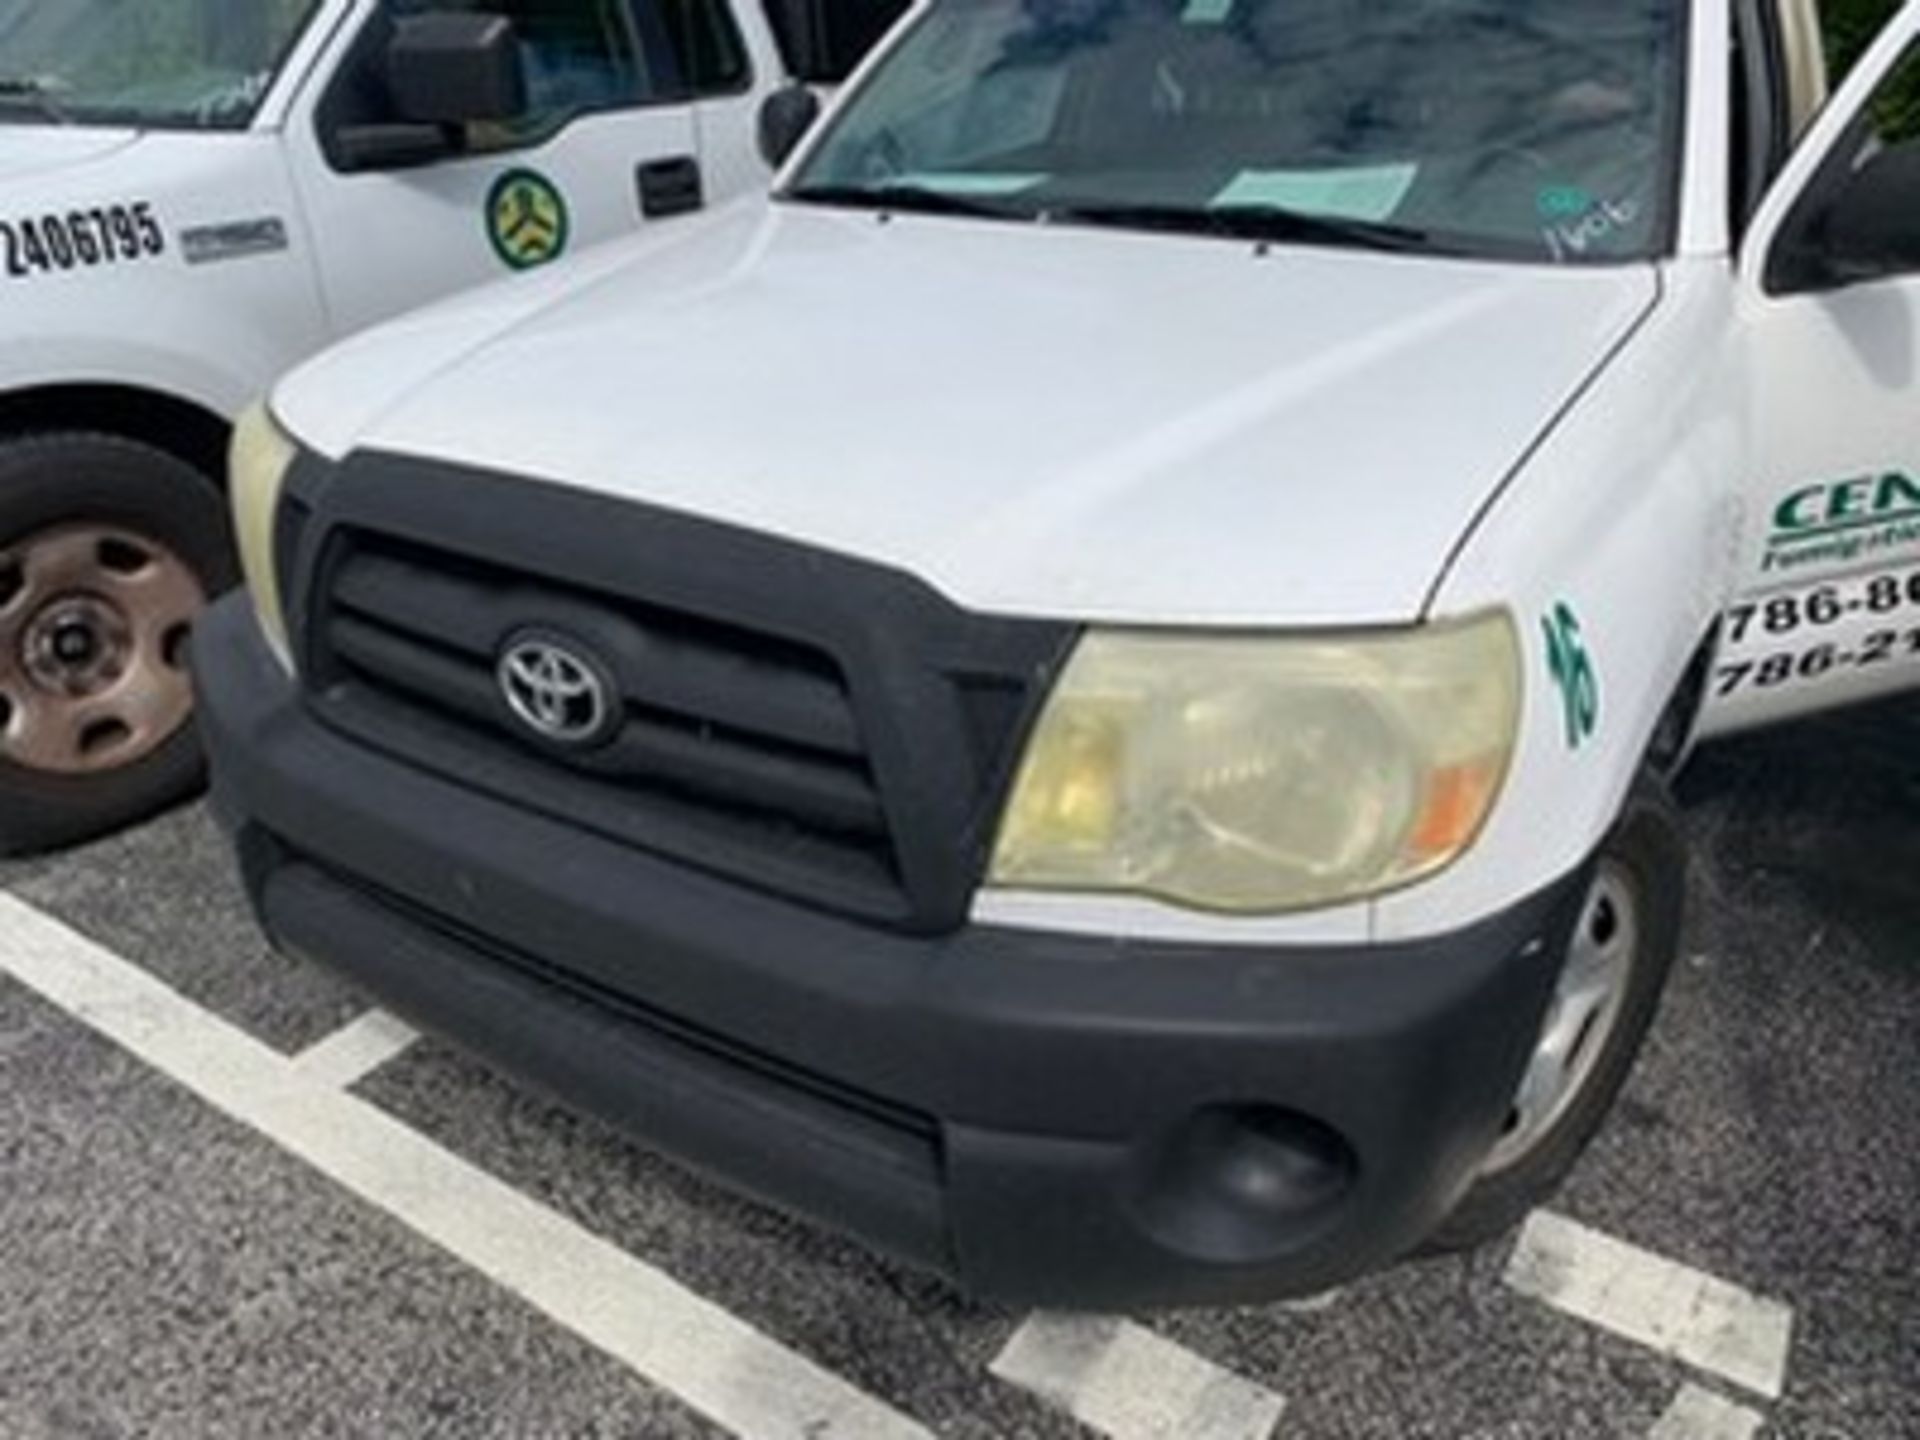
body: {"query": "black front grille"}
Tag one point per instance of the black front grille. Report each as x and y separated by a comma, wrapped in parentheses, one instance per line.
(730, 742)
(818, 727)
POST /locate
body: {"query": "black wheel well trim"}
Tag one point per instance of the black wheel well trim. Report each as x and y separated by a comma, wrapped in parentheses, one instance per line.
(1674, 732)
(183, 429)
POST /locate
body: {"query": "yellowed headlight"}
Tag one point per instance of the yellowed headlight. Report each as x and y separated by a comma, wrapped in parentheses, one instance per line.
(1261, 774)
(258, 463)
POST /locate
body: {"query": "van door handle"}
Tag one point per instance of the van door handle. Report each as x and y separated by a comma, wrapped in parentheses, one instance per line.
(670, 187)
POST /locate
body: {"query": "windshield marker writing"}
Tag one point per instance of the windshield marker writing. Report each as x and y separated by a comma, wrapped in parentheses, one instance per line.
(1572, 240)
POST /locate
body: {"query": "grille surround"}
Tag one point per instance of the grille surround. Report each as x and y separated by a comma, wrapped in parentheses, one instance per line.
(819, 727)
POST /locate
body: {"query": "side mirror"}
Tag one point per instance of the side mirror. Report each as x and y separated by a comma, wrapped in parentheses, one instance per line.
(785, 117)
(391, 147)
(440, 72)
(1868, 229)
(451, 67)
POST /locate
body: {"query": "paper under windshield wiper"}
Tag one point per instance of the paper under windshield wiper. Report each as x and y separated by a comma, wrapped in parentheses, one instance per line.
(924, 198)
(26, 92)
(1254, 222)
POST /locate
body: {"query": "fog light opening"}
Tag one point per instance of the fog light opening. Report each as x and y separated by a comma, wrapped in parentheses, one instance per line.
(1242, 1183)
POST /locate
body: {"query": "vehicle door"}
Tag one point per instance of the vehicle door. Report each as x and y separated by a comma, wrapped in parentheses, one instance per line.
(1828, 610)
(608, 141)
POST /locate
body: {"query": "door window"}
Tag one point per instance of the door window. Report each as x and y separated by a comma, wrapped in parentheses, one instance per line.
(1856, 220)
(694, 48)
(583, 56)
(580, 56)
(1895, 112)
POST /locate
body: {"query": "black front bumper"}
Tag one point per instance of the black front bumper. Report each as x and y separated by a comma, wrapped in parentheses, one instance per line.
(1100, 1123)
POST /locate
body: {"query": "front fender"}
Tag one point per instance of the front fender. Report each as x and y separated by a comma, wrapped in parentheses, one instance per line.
(210, 325)
(1613, 547)
(172, 373)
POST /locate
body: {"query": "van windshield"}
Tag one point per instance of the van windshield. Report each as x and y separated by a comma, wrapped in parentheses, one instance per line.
(179, 63)
(1527, 129)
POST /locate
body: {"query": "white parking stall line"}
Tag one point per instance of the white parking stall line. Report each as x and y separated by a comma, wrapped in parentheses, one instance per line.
(1710, 1324)
(683, 1344)
(1129, 1384)
(1698, 1414)
(1316, 1304)
(355, 1050)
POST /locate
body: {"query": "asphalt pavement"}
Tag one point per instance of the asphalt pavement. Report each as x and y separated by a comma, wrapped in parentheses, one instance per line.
(232, 1205)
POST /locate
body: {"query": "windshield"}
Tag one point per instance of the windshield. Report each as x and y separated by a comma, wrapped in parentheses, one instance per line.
(191, 63)
(1529, 129)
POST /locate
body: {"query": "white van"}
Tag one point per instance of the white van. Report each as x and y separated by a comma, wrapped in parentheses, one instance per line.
(195, 194)
(1088, 691)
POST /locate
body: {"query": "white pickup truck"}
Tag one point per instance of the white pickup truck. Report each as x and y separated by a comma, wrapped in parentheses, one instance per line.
(195, 194)
(1087, 690)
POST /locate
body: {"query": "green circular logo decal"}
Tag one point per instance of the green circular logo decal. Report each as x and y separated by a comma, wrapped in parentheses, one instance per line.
(527, 219)
(1563, 202)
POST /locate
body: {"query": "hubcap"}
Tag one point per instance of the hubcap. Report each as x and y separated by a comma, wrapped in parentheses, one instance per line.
(1585, 1008)
(93, 628)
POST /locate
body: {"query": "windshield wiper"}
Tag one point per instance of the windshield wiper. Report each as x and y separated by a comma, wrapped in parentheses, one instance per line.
(28, 93)
(1255, 222)
(923, 198)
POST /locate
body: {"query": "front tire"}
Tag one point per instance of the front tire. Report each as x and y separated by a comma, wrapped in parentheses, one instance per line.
(109, 549)
(1619, 955)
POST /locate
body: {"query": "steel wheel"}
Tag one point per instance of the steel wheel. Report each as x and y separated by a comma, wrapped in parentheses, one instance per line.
(1610, 970)
(93, 656)
(1581, 1018)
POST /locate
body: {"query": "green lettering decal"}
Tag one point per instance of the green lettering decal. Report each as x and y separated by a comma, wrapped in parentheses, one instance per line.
(1849, 499)
(1563, 202)
(1790, 516)
(1843, 520)
(1572, 670)
(1897, 492)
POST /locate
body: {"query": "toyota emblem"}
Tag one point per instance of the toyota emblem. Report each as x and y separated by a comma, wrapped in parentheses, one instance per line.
(556, 690)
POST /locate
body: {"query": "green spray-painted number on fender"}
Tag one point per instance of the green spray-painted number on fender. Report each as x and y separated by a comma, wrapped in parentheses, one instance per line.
(1572, 670)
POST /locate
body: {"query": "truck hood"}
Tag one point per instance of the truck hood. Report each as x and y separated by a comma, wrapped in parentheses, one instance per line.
(1083, 423)
(30, 149)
